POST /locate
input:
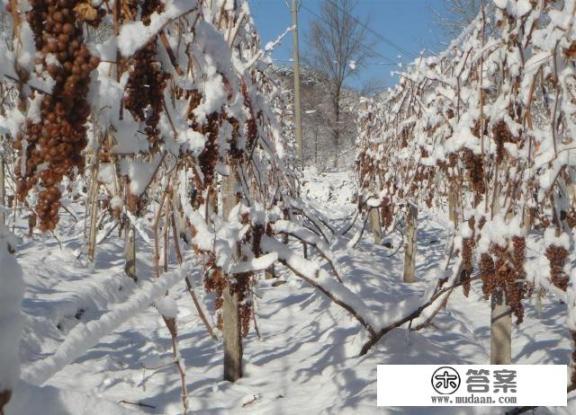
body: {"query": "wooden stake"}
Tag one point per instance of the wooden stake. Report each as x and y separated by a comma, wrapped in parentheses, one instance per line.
(375, 228)
(500, 331)
(410, 244)
(453, 203)
(130, 252)
(231, 307)
(232, 336)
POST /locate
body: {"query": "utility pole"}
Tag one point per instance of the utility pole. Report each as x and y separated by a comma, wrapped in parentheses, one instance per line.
(297, 104)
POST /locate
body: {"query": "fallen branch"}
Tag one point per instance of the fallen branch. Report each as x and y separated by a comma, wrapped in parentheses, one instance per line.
(309, 237)
(347, 228)
(358, 237)
(316, 222)
(141, 404)
(416, 313)
(318, 278)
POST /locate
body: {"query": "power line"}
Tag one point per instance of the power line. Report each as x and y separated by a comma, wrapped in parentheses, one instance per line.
(380, 36)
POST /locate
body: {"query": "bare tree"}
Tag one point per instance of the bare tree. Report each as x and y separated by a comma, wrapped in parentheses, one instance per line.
(336, 49)
(373, 87)
(455, 15)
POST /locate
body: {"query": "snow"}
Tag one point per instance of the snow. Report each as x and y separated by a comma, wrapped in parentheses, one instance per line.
(91, 340)
(561, 241)
(516, 8)
(135, 35)
(11, 320)
(106, 173)
(140, 173)
(26, 51)
(12, 121)
(192, 140)
(167, 307)
(85, 336)
(30, 399)
(307, 357)
(256, 264)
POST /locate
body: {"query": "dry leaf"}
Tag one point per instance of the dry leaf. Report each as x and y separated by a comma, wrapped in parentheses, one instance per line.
(86, 12)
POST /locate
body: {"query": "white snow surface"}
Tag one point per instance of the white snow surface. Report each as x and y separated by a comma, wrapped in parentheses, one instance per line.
(11, 293)
(97, 344)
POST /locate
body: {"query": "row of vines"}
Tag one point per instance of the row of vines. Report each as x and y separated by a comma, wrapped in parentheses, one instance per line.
(486, 131)
(157, 121)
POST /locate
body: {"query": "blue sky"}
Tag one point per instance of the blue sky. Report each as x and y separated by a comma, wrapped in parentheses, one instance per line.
(409, 24)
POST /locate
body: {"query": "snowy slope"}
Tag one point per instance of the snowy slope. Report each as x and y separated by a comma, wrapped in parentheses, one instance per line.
(305, 360)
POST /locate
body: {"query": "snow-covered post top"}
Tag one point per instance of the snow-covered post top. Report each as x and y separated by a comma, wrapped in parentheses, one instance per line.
(11, 320)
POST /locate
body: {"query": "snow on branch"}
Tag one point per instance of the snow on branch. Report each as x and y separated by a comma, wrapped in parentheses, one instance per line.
(255, 264)
(135, 35)
(305, 235)
(85, 336)
(317, 277)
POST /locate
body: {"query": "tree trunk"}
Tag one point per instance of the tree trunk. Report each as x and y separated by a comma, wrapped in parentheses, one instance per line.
(500, 331)
(337, 126)
(230, 309)
(410, 244)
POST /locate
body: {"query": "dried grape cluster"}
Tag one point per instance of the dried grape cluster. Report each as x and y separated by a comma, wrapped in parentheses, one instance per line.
(241, 285)
(209, 156)
(502, 271)
(557, 256)
(487, 273)
(386, 213)
(475, 166)
(52, 148)
(215, 282)
(502, 135)
(147, 80)
(468, 245)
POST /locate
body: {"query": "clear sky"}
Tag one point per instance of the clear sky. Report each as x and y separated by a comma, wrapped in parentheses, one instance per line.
(408, 24)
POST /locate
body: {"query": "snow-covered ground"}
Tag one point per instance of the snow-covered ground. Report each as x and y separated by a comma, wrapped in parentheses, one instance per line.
(306, 357)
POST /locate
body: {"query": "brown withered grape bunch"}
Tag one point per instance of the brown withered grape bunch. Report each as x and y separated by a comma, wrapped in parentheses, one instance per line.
(146, 82)
(52, 148)
(502, 270)
(557, 256)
